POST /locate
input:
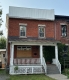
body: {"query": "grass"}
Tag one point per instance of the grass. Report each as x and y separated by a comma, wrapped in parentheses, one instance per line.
(30, 77)
(2, 71)
(25, 77)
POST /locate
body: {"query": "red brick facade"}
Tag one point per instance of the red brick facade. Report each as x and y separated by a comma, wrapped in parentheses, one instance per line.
(52, 30)
(32, 27)
(58, 23)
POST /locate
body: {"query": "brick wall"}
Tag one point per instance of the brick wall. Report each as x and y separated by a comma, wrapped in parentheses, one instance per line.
(35, 52)
(64, 40)
(32, 27)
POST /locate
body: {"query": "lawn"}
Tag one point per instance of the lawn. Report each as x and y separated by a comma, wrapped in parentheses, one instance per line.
(30, 77)
(2, 71)
(25, 77)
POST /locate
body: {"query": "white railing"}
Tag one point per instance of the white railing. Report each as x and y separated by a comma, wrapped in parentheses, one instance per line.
(44, 65)
(57, 63)
(26, 70)
(26, 61)
(59, 66)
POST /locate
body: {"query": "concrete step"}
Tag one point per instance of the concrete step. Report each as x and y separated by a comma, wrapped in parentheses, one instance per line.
(52, 69)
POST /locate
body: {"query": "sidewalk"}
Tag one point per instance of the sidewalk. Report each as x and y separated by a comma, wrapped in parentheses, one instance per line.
(58, 76)
(4, 77)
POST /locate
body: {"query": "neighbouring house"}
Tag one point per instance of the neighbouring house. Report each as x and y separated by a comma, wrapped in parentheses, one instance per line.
(29, 30)
(2, 58)
(62, 30)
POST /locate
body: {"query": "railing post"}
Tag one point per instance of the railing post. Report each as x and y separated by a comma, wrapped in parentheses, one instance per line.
(56, 53)
(41, 53)
(11, 53)
(32, 70)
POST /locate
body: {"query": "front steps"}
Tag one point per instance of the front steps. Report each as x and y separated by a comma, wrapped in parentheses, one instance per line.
(52, 69)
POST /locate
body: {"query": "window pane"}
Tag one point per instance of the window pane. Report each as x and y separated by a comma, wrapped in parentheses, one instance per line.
(64, 30)
(22, 31)
(3, 55)
(41, 32)
(41, 29)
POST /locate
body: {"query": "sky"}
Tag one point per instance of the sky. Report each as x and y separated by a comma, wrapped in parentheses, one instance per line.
(60, 7)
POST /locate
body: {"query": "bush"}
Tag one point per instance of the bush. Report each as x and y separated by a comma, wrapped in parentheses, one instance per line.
(16, 68)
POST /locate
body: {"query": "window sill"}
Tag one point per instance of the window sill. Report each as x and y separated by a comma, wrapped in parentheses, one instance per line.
(42, 37)
(22, 37)
(63, 36)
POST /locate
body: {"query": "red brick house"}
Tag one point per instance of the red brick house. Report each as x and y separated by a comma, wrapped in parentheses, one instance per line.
(29, 30)
(62, 28)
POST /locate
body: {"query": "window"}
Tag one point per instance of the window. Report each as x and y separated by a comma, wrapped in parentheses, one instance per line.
(22, 31)
(23, 47)
(3, 55)
(63, 30)
(41, 32)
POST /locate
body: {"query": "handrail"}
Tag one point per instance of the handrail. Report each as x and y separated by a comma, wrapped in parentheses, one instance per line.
(57, 63)
(44, 65)
(59, 66)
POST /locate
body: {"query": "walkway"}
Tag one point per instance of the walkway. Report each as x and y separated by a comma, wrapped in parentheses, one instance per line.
(58, 76)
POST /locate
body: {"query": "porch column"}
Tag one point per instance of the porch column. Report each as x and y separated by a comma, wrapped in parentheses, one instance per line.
(41, 53)
(56, 52)
(11, 54)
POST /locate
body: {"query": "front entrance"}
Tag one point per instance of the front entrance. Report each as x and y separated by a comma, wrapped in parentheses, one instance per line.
(49, 53)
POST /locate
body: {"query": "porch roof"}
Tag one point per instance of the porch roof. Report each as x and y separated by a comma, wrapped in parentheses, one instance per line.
(31, 39)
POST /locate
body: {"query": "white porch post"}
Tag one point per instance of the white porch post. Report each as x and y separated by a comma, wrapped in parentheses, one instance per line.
(11, 54)
(41, 53)
(56, 52)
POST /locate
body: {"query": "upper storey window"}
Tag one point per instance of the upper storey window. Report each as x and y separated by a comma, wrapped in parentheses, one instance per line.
(41, 31)
(63, 30)
(22, 30)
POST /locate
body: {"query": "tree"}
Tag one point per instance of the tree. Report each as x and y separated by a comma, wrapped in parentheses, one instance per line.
(2, 43)
(1, 32)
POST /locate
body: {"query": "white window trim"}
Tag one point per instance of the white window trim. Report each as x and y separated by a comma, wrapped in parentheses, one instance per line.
(63, 24)
(26, 48)
(43, 26)
(23, 24)
(25, 30)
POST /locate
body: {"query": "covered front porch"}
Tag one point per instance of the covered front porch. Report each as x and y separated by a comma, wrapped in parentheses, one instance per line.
(28, 57)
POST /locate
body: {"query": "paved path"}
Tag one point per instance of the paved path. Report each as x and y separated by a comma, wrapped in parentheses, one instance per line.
(58, 76)
(4, 77)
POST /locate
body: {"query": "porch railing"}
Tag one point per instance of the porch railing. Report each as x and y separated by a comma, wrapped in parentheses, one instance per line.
(24, 61)
(57, 63)
(44, 65)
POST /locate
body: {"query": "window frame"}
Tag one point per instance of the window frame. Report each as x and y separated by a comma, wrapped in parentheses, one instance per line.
(64, 32)
(3, 55)
(41, 26)
(24, 47)
(23, 25)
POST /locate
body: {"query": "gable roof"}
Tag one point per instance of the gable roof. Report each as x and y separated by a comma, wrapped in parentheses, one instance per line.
(31, 13)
